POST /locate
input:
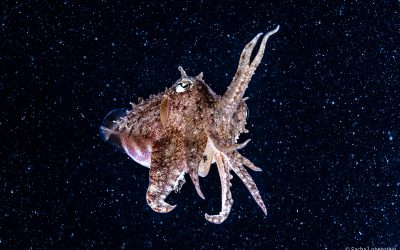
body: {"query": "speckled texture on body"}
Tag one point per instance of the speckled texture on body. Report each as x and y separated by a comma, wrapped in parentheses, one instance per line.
(323, 119)
(180, 129)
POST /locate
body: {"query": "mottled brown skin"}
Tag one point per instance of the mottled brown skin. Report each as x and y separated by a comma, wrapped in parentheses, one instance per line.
(187, 128)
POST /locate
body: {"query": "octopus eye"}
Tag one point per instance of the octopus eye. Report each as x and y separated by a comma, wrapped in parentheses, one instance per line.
(182, 86)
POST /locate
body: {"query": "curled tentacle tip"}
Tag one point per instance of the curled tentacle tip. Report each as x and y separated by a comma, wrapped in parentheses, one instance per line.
(216, 219)
(166, 209)
(162, 207)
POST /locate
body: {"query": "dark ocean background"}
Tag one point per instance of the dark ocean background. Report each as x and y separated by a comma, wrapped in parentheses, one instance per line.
(324, 122)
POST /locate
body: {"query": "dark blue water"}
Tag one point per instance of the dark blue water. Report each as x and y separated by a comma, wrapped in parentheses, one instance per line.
(324, 123)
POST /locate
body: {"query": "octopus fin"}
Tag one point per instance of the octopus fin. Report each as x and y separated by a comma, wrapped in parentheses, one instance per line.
(108, 129)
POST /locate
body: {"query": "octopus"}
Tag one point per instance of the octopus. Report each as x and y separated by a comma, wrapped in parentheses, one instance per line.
(186, 129)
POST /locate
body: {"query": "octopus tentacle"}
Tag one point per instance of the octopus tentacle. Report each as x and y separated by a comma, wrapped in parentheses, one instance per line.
(231, 151)
(195, 143)
(168, 151)
(223, 165)
(241, 145)
(246, 52)
(187, 128)
(233, 146)
(233, 96)
(249, 183)
(156, 200)
(243, 160)
(257, 59)
(228, 147)
(193, 173)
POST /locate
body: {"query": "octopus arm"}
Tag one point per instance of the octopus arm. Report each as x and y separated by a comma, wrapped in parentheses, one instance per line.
(249, 183)
(240, 158)
(208, 156)
(193, 173)
(233, 96)
(195, 144)
(223, 164)
(167, 170)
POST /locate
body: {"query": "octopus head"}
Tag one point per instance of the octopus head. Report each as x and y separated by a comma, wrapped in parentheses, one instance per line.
(185, 101)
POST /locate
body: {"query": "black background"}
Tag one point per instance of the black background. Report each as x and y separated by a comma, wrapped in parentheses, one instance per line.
(324, 122)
